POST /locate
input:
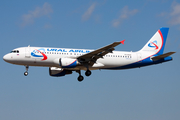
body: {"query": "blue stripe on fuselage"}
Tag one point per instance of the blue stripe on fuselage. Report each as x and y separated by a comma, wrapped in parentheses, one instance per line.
(34, 55)
(143, 63)
(72, 65)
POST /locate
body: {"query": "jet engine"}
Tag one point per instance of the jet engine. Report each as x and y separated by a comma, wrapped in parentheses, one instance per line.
(57, 72)
(68, 62)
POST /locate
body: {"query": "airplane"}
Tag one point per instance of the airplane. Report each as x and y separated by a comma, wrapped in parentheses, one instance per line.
(63, 61)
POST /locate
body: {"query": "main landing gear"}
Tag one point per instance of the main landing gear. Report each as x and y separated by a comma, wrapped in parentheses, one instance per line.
(26, 73)
(88, 73)
(81, 78)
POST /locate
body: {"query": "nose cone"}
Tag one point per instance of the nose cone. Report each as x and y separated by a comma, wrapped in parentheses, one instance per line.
(6, 58)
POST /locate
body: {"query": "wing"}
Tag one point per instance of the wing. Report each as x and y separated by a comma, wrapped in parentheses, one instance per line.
(91, 57)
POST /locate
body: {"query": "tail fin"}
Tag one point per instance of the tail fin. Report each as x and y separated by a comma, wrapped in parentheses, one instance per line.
(157, 43)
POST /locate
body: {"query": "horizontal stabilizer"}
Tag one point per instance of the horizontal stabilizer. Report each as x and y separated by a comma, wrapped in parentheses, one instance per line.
(163, 56)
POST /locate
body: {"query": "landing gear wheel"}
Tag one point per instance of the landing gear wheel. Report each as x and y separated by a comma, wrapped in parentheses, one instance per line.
(25, 73)
(80, 78)
(88, 73)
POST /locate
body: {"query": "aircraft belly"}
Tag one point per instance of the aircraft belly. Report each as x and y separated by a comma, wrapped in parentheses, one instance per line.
(116, 62)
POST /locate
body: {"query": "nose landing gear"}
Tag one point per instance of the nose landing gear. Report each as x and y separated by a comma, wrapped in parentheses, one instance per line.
(26, 73)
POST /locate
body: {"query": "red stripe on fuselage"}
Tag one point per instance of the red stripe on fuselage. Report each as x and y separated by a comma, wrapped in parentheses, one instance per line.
(45, 57)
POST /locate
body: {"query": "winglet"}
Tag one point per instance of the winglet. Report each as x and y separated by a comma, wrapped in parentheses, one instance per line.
(122, 42)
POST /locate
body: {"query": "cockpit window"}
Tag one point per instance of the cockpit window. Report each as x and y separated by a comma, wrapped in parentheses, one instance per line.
(15, 51)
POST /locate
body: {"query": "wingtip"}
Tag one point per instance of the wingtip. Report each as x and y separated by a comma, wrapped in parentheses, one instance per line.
(122, 42)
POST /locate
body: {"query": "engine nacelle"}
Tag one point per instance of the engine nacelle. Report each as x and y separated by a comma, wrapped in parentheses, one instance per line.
(68, 62)
(57, 72)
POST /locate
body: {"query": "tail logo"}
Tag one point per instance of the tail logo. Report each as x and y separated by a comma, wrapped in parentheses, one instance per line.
(41, 51)
(153, 44)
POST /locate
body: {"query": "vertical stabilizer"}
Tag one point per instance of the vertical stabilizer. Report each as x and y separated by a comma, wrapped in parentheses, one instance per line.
(157, 43)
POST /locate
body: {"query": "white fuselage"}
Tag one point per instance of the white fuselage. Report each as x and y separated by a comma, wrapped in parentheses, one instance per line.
(62, 61)
(111, 60)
